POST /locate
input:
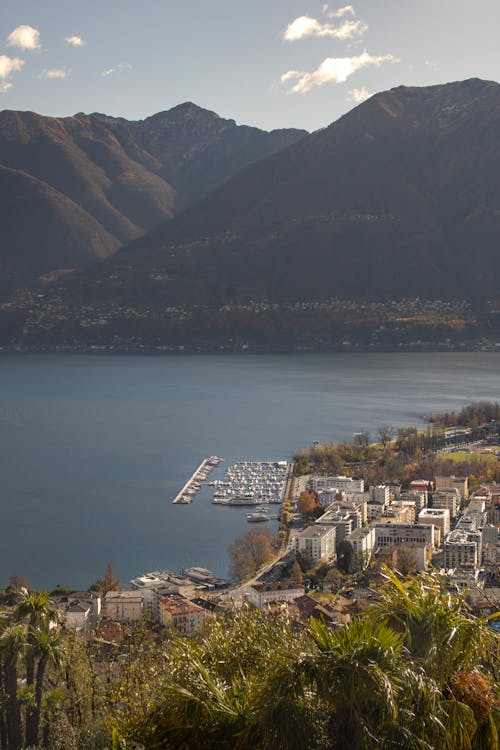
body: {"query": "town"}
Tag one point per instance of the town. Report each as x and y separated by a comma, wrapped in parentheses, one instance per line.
(359, 571)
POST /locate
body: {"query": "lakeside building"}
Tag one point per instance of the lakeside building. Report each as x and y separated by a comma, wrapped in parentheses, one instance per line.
(181, 614)
(160, 583)
(124, 606)
(262, 594)
(317, 541)
(439, 517)
(340, 483)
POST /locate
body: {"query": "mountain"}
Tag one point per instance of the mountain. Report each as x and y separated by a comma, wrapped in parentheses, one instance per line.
(400, 197)
(102, 182)
(327, 241)
(199, 150)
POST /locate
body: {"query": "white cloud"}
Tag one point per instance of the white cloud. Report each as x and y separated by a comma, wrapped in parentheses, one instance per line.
(75, 41)
(25, 37)
(9, 65)
(346, 10)
(4, 87)
(54, 73)
(307, 26)
(356, 96)
(116, 69)
(337, 69)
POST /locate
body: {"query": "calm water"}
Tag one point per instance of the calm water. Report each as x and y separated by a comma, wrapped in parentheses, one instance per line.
(92, 448)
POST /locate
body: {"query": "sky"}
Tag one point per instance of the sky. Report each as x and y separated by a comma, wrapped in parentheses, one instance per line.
(268, 63)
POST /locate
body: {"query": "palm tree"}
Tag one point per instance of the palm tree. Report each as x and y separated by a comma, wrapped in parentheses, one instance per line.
(34, 608)
(46, 646)
(357, 674)
(448, 646)
(438, 631)
(12, 643)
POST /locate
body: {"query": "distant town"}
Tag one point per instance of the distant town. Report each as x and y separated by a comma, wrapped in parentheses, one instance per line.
(54, 321)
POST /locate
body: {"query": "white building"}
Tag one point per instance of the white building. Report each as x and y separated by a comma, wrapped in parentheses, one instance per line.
(440, 517)
(363, 540)
(159, 583)
(123, 606)
(396, 534)
(262, 594)
(462, 549)
(447, 497)
(317, 541)
(380, 494)
(340, 483)
(77, 615)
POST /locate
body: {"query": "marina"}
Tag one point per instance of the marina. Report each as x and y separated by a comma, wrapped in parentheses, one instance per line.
(253, 483)
(193, 484)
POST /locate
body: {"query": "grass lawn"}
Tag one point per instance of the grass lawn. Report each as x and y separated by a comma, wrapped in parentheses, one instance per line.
(466, 456)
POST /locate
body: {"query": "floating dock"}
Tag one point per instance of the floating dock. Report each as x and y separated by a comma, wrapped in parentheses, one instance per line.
(187, 493)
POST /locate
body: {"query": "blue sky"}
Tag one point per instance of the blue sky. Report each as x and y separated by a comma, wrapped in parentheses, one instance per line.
(270, 63)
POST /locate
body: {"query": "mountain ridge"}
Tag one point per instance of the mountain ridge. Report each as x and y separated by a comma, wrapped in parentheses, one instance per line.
(103, 166)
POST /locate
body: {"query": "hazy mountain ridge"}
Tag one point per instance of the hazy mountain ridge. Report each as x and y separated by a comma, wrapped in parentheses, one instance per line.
(100, 167)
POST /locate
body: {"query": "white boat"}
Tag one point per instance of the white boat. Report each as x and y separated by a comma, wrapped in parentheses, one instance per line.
(257, 517)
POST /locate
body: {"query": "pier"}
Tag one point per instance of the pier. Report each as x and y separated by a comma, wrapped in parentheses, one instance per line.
(185, 496)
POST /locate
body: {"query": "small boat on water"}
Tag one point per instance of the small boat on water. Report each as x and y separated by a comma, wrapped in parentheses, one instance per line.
(257, 517)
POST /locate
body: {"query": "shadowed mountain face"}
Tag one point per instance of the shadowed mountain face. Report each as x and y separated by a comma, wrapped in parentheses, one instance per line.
(75, 189)
(400, 197)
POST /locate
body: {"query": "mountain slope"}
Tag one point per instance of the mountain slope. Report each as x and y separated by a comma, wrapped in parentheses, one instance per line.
(400, 197)
(39, 222)
(116, 173)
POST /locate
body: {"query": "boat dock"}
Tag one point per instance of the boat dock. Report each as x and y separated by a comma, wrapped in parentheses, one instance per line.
(193, 484)
(254, 483)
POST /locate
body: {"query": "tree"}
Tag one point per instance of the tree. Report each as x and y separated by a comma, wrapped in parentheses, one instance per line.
(109, 582)
(406, 559)
(41, 647)
(307, 504)
(345, 556)
(362, 438)
(251, 551)
(296, 572)
(12, 644)
(385, 433)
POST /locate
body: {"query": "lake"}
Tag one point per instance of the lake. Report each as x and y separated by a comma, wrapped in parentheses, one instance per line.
(92, 447)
